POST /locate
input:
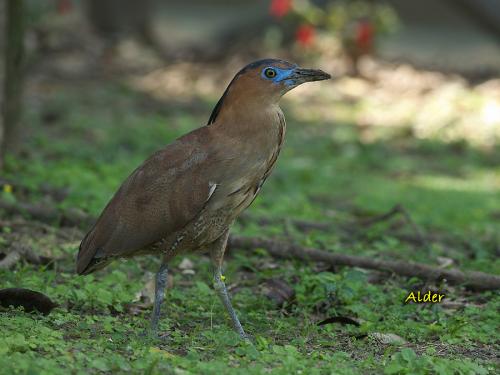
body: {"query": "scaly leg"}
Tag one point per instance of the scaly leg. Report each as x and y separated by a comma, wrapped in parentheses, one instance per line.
(160, 284)
(217, 255)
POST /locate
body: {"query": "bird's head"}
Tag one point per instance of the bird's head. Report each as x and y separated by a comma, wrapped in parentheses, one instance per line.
(265, 82)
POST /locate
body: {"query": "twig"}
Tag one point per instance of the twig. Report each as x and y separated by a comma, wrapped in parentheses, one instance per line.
(399, 210)
(416, 229)
(71, 217)
(473, 280)
(383, 217)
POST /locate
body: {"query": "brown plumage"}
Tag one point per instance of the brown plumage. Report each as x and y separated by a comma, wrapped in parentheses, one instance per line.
(186, 196)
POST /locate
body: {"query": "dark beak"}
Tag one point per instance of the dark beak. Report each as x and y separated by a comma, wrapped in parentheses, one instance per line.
(308, 75)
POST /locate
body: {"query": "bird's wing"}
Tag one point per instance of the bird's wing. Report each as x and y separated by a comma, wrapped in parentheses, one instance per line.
(161, 196)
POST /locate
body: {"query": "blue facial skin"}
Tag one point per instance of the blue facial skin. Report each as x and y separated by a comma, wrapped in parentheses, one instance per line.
(282, 75)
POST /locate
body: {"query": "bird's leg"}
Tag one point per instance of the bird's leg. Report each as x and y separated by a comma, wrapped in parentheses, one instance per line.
(160, 284)
(217, 254)
(221, 290)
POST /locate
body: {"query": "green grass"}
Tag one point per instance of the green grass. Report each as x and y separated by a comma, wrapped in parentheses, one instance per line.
(101, 132)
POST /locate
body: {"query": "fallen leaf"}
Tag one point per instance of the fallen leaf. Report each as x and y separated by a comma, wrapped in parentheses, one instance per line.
(340, 319)
(186, 264)
(29, 299)
(147, 294)
(143, 299)
(387, 338)
(278, 291)
(444, 262)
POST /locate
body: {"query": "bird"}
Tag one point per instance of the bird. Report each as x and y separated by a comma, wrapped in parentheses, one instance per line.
(185, 197)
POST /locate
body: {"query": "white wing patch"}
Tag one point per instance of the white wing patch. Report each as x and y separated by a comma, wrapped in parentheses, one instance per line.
(212, 186)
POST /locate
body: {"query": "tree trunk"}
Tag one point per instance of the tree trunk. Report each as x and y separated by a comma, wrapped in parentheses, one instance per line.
(3, 9)
(13, 59)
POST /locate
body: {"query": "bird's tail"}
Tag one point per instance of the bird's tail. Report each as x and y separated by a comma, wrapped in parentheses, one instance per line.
(86, 261)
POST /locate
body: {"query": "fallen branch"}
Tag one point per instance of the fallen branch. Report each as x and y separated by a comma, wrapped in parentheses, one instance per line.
(10, 260)
(46, 214)
(473, 280)
(19, 251)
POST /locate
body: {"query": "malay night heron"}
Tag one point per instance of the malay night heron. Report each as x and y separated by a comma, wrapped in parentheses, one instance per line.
(185, 197)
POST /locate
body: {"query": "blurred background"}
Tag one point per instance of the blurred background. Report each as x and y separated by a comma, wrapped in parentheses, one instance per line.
(90, 88)
(396, 158)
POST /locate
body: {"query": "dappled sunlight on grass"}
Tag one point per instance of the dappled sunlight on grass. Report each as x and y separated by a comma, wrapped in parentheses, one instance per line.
(479, 181)
(393, 100)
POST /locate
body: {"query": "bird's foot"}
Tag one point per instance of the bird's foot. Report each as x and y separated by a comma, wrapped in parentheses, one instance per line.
(247, 337)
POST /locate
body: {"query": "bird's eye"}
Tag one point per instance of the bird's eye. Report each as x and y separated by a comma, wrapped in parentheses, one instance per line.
(270, 73)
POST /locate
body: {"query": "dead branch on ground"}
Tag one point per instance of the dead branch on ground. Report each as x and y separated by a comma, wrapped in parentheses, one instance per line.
(18, 251)
(51, 215)
(473, 280)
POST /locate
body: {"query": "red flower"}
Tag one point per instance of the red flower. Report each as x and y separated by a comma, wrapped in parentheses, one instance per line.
(279, 8)
(305, 35)
(365, 33)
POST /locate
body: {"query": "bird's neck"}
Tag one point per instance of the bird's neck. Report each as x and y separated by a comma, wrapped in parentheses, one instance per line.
(245, 119)
(253, 133)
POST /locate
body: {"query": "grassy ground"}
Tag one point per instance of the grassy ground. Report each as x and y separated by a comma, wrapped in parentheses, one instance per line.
(89, 136)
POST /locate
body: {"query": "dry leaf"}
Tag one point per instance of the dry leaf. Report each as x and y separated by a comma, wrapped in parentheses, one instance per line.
(444, 262)
(278, 291)
(29, 299)
(341, 320)
(387, 338)
(186, 264)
